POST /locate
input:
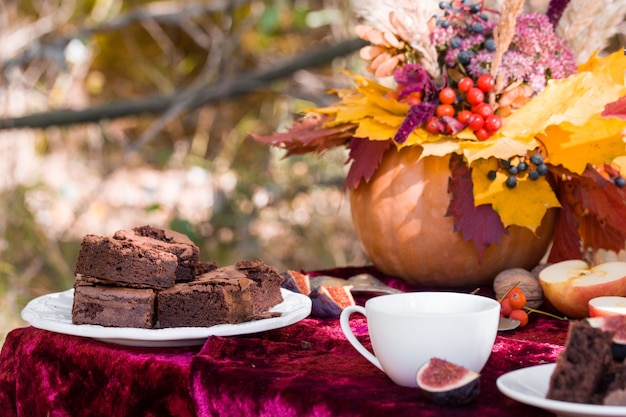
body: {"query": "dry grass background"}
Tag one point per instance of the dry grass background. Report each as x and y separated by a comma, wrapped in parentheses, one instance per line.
(197, 172)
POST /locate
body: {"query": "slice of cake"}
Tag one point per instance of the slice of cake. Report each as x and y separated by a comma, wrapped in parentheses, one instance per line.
(585, 369)
(114, 306)
(126, 262)
(217, 297)
(165, 240)
(267, 282)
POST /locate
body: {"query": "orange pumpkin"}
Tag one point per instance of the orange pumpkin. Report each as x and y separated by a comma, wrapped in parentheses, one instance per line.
(399, 216)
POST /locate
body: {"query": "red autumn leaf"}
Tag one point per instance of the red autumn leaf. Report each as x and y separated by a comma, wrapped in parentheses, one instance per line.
(566, 243)
(481, 224)
(593, 214)
(616, 109)
(604, 225)
(309, 135)
(603, 198)
(597, 234)
(365, 156)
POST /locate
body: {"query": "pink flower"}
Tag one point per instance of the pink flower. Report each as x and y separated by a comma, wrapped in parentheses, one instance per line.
(550, 56)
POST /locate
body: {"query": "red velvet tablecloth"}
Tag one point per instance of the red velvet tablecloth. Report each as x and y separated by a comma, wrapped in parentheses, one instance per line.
(306, 369)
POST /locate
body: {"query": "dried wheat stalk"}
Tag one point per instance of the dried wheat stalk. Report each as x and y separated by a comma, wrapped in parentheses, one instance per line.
(587, 25)
(502, 35)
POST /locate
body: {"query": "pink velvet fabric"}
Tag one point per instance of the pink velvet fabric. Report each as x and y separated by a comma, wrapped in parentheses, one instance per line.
(307, 369)
(49, 374)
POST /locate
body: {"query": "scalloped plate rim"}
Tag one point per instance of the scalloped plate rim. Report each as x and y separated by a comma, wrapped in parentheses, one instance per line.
(530, 385)
(53, 312)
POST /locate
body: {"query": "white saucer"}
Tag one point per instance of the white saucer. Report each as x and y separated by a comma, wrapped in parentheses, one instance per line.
(530, 386)
(54, 312)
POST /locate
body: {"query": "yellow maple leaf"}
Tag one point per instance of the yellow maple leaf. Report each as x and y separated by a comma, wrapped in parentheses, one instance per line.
(374, 98)
(498, 146)
(377, 117)
(598, 141)
(374, 130)
(525, 205)
(354, 114)
(366, 82)
(438, 148)
(573, 100)
(422, 137)
(611, 66)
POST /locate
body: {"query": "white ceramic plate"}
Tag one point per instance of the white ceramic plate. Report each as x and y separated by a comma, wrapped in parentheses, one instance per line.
(530, 386)
(54, 312)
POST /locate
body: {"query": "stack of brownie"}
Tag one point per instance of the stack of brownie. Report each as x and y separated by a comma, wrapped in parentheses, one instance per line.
(152, 278)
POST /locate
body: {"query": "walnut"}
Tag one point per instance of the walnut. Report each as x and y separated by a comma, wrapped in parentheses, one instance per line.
(526, 282)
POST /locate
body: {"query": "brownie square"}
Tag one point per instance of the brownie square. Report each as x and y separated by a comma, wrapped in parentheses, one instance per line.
(209, 300)
(170, 241)
(267, 282)
(126, 262)
(114, 306)
(578, 376)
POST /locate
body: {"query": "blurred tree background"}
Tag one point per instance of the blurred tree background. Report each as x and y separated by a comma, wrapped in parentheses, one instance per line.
(180, 165)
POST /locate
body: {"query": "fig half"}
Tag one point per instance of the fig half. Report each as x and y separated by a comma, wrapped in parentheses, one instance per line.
(446, 383)
(297, 282)
(329, 302)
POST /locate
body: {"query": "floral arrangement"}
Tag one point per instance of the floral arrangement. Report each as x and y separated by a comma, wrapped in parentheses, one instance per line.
(534, 119)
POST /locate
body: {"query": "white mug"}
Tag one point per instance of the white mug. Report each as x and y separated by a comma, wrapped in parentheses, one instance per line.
(408, 329)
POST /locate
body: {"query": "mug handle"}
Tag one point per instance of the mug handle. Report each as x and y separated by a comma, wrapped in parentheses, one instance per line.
(344, 320)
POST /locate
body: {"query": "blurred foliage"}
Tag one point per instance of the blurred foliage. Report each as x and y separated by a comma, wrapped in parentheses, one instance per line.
(200, 174)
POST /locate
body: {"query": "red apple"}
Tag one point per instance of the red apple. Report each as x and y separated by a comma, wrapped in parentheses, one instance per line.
(607, 306)
(569, 285)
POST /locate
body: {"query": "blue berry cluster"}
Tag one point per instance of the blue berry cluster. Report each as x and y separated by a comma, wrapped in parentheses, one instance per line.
(470, 13)
(534, 165)
(472, 32)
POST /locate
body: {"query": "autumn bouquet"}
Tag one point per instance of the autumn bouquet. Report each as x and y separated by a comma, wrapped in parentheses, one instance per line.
(531, 114)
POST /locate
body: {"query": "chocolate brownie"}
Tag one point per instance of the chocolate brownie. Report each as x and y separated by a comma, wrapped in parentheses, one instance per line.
(88, 280)
(585, 369)
(217, 297)
(156, 272)
(126, 262)
(168, 241)
(114, 306)
(203, 267)
(267, 282)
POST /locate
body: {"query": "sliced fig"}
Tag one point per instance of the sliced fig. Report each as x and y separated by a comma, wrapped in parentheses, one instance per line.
(329, 302)
(296, 282)
(361, 283)
(617, 326)
(327, 281)
(446, 383)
